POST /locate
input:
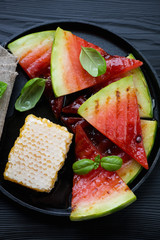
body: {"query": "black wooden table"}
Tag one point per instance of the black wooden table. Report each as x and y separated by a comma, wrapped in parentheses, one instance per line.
(137, 21)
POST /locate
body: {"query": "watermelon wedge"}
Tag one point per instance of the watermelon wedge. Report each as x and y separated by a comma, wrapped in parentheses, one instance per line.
(114, 112)
(68, 75)
(99, 192)
(33, 52)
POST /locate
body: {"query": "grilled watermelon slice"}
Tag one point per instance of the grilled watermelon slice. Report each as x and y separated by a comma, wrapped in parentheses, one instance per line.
(99, 192)
(33, 52)
(114, 112)
(68, 75)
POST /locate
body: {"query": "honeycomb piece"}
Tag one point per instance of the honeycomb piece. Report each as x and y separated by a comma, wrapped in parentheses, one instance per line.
(38, 154)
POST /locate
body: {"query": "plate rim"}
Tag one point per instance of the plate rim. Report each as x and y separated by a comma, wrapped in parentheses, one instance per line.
(66, 212)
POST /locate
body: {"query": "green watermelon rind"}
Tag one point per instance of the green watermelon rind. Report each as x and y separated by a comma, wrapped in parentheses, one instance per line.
(134, 168)
(28, 42)
(142, 91)
(117, 201)
(56, 67)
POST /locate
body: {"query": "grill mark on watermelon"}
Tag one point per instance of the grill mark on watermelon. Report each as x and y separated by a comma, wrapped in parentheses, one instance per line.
(108, 99)
(127, 90)
(97, 106)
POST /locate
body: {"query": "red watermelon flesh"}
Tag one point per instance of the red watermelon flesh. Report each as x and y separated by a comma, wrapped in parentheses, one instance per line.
(114, 112)
(72, 122)
(73, 107)
(67, 73)
(96, 193)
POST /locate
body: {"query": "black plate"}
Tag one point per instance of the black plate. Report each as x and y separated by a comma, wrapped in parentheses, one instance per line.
(58, 201)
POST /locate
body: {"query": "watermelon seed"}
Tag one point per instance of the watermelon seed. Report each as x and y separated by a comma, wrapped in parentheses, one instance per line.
(109, 151)
(118, 94)
(138, 139)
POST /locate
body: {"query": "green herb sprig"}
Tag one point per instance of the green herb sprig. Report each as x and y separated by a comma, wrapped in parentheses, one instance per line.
(92, 61)
(109, 163)
(30, 94)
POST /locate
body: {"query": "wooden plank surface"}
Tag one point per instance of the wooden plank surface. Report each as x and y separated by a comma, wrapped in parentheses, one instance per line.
(138, 22)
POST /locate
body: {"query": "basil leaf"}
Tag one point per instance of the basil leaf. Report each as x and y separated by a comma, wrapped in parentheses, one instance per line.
(83, 166)
(30, 94)
(111, 163)
(92, 61)
(3, 87)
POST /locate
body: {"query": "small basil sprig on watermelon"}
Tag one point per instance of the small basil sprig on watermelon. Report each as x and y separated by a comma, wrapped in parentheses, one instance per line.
(3, 87)
(109, 163)
(92, 61)
(30, 94)
(84, 166)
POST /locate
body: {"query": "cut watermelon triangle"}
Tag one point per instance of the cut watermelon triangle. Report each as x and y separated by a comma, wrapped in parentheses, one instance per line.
(114, 112)
(99, 192)
(68, 75)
